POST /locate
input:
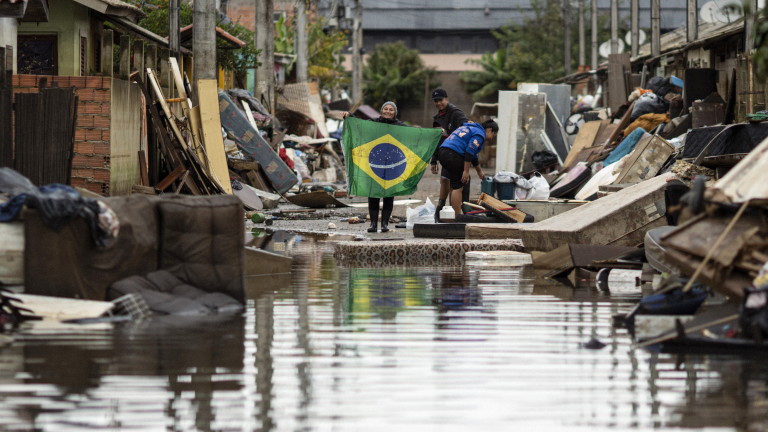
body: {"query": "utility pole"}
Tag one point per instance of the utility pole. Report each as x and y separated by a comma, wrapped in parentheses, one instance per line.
(614, 26)
(204, 39)
(265, 41)
(582, 36)
(302, 50)
(357, 53)
(692, 21)
(173, 27)
(594, 35)
(566, 37)
(655, 28)
(635, 27)
(749, 27)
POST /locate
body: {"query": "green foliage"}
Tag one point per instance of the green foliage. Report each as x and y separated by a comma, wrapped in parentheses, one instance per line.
(395, 73)
(325, 60)
(237, 60)
(325, 46)
(528, 52)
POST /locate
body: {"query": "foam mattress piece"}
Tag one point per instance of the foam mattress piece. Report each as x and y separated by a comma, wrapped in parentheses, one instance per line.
(499, 257)
(620, 219)
(425, 252)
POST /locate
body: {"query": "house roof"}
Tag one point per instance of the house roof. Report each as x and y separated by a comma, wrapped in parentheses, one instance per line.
(185, 34)
(114, 8)
(25, 10)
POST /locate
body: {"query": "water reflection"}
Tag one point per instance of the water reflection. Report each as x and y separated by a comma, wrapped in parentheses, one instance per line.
(349, 349)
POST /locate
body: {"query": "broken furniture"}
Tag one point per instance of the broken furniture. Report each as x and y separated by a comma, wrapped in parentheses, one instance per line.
(621, 219)
(198, 239)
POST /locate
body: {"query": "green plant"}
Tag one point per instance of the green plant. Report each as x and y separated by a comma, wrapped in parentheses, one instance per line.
(236, 60)
(325, 60)
(394, 72)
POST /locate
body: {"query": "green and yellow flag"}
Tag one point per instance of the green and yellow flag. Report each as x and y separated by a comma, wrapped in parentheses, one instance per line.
(385, 160)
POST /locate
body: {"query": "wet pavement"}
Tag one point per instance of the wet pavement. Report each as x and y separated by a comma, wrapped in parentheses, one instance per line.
(347, 349)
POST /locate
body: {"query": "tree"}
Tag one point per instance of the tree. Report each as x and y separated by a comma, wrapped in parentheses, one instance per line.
(395, 73)
(325, 47)
(528, 52)
(235, 60)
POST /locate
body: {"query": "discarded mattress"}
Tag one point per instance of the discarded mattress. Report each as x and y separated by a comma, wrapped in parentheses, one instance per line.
(573, 180)
(620, 219)
(167, 294)
(416, 253)
(720, 140)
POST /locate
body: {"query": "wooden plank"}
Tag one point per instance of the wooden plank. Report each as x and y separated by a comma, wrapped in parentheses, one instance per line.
(160, 98)
(239, 165)
(170, 178)
(143, 174)
(249, 114)
(502, 209)
(585, 138)
(211, 126)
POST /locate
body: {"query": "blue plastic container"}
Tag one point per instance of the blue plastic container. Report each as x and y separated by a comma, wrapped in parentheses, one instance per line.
(505, 191)
(488, 186)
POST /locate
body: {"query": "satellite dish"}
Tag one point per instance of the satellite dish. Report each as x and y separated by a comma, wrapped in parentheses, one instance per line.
(605, 48)
(640, 37)
(716, 11)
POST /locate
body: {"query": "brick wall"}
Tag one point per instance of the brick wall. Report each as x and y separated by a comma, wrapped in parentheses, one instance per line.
(91, 161)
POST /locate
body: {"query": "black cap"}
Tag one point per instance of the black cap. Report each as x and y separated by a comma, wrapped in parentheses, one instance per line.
(439, 93)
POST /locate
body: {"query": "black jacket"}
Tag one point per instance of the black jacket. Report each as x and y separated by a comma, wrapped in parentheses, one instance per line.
(449, 120)
(394, 121)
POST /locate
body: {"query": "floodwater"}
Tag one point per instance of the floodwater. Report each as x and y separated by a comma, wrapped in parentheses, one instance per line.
(332, 348)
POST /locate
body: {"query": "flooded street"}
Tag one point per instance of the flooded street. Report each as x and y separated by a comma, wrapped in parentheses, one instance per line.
(390, 349)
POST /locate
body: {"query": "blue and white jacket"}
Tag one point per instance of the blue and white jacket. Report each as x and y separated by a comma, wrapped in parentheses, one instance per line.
(466, 140)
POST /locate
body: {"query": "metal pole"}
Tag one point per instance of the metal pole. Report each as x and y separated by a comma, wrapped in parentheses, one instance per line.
(614, 26)
(655, 28)
(566, 37)
(357, 53)
(302, 73)
(692, 21)
(264, 40)
(635, 30)
(173, 27)
(582, 36)
(594, 34)
(204, 39)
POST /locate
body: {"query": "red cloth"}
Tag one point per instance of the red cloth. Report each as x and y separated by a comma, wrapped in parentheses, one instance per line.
(284, 156)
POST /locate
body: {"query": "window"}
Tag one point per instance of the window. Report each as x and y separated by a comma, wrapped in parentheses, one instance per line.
(37, 55)
(83, 56)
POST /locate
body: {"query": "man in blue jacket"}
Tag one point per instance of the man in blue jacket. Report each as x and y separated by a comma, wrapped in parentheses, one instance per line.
(458, 151)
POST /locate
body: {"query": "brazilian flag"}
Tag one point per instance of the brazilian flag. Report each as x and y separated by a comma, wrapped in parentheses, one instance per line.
(385, 160)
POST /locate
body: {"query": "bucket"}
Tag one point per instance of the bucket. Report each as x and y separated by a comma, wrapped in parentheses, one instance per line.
(488, 186)
(505, 191)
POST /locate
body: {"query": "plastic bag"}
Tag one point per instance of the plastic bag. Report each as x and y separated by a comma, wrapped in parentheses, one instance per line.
(505, 177)
(422, 214)
(535, 188)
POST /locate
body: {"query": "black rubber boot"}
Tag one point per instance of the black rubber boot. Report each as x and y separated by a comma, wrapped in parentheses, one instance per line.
(440, 205)
(386, 212)
(373, 213)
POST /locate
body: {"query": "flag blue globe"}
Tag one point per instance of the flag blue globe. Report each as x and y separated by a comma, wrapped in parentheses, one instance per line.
(387, 161)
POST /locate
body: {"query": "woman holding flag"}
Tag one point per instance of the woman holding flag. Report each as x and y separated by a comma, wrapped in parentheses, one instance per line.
(387, 115)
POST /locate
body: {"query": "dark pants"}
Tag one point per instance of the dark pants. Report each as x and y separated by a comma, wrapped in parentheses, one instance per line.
(386, 212)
